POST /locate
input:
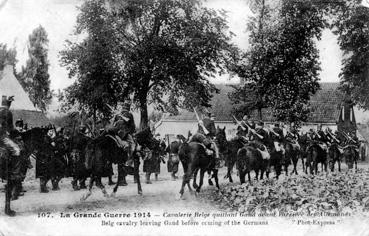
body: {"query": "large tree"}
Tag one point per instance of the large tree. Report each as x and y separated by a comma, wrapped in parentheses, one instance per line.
(7, 56)
(159, 52)
(168, 49)
(92, 62)
(282, 63)
(351, 24)
(35, 77)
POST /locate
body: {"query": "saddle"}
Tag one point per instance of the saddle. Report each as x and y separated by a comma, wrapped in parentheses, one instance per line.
(120, 143)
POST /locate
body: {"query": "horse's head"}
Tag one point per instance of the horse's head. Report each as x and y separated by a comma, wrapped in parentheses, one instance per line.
(182, 138)
(145, 138)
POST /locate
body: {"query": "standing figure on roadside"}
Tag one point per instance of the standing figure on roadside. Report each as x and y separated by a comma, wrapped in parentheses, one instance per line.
(58, 163)
(78, 146)
(44, 158)
(10, 160)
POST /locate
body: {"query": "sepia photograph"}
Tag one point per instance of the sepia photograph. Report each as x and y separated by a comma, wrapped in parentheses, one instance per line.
(184, 117)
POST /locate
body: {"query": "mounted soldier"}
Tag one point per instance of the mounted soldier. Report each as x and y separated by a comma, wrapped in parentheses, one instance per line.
(9, 153)
(321, 137)
(243, 127)
(206, 132)
(124, 127)
(278, 138)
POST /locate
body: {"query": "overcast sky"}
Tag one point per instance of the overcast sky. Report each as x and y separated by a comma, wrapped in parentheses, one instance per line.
(19, 17)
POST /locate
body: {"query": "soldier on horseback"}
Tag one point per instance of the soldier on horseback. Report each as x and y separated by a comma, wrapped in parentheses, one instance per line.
(278, 138)
(321, 137)
(124, 127)
(9, 153)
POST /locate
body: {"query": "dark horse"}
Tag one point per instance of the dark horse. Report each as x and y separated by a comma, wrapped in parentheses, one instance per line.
(334, 156)
(228, 149)
(315, 155)
(248, 159)
(12, 167)
(102, 151)
(293, 152)
(193, 157)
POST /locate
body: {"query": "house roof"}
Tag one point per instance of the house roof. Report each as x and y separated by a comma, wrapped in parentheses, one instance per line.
(10, 86)
(324, 105)
(22, 107)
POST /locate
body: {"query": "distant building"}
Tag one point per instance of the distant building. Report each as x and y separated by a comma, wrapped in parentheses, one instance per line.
(327, 108)
(22, 107)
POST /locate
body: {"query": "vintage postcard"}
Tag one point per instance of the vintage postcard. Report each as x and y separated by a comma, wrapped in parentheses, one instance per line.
(184, 117)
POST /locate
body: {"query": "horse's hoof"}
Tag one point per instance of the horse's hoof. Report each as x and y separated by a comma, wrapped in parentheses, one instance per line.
(140, 193)
(113, 195)
(10, 213)
(178, 196)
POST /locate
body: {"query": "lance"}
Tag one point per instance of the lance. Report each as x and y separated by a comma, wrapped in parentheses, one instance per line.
(333, 136)
(239, 123)
(200, 123)
(253, 131)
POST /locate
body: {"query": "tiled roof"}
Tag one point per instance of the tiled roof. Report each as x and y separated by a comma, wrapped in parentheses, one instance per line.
(325, 106)
(32, 118)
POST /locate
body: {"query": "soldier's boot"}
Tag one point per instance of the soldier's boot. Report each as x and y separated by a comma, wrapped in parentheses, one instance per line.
(82, 184)
(148, 181)
(8, 192)
(111, 182)
(75, 185)
(43, 187)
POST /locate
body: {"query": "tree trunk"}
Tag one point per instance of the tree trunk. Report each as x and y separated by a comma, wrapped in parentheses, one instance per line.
(144, 122)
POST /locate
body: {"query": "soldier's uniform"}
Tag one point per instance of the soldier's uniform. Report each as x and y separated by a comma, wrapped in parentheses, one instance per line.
(124, 127)
(58, 163)
(278, 138)
(321, 138)
(10, 164)
(206, 138)
(79, 172)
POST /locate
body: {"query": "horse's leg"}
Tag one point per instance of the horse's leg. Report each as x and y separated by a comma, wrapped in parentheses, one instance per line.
(136, 165)
(202, 172)
(101, 186)
(8, 194)
(89, 192)
(248, 175)
(209, 177)
(194, 184)
(215, 174)
(257, 175)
